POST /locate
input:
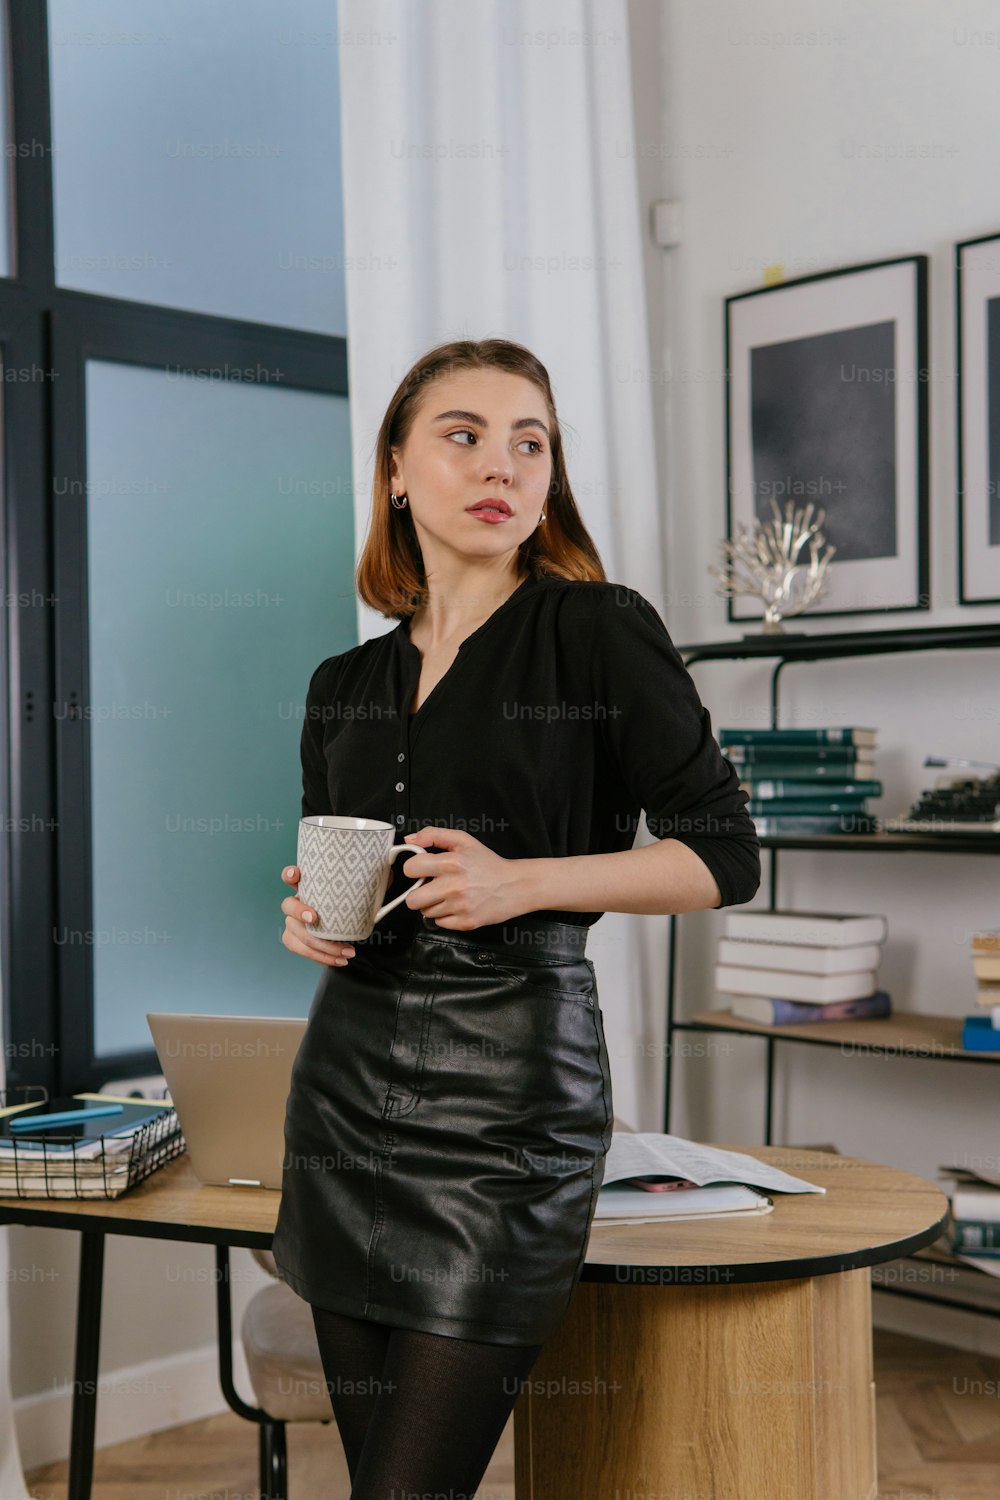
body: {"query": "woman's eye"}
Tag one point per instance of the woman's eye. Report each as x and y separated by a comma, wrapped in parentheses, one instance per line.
(467, 432)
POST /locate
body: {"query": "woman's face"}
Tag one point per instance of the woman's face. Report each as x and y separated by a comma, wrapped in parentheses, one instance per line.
(477, 435)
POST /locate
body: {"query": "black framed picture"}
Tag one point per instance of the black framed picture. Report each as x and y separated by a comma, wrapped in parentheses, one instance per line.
(827, 402)
(977, 300)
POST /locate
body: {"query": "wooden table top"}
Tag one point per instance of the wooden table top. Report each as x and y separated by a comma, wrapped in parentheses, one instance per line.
(868, 1214)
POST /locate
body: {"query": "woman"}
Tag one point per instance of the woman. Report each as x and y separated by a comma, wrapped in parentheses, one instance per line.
(450, 1107)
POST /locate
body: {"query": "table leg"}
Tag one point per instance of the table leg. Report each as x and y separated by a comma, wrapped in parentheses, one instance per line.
(224, 1323)
(752, 1392)
(87, 1360)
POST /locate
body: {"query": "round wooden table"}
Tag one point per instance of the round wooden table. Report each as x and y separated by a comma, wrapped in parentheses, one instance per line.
(726, 1359)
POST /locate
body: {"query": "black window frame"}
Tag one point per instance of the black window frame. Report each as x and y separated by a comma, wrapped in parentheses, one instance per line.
(48, 994)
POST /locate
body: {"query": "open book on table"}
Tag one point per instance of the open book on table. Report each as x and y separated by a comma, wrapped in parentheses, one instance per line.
(726, 1182)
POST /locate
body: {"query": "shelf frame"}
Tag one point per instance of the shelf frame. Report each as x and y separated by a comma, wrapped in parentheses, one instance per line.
(791, 648)
(788, 649)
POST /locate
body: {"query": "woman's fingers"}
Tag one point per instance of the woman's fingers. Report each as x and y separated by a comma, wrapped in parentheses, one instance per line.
(298, 939)
(293, 907)
(321, 944)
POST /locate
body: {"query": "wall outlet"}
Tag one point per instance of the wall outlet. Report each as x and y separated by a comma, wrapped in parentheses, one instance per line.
(665, 219)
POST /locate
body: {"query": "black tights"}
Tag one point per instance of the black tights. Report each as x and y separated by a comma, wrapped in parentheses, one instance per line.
(417, 1411)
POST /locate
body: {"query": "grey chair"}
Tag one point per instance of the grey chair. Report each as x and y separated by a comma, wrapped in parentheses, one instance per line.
(286, 1372)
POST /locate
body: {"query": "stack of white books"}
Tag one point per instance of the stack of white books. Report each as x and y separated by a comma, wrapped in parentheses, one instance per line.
(783, 967)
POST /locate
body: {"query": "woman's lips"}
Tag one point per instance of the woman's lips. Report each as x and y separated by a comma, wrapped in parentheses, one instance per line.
(494, 517)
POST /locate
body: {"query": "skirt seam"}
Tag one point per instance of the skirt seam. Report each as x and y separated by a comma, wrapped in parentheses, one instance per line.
(593, 1170)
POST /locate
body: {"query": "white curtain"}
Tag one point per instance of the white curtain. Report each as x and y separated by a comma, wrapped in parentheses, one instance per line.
(490, 190)
(12, 1482)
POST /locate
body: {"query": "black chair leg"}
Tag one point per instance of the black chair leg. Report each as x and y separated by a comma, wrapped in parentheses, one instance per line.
(273, 1461)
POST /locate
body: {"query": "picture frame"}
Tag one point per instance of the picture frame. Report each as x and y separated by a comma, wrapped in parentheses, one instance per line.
(977, 366)
(827, 402)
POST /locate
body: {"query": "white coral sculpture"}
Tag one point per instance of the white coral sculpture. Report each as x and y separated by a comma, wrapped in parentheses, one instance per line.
(768, 555)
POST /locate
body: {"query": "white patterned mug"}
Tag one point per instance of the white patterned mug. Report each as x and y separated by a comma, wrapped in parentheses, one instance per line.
(344, 866)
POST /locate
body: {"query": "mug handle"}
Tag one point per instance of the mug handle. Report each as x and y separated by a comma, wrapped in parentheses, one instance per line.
(399, 849)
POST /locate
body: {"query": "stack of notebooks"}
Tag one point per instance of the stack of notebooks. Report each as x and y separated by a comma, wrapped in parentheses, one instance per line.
(84, 1145)
(806, 781)
(974, 1215)
(981, 1031)
(782, 967)
(650, 1177)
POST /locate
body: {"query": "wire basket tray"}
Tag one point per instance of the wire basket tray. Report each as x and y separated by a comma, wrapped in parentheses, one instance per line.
(35, 1168)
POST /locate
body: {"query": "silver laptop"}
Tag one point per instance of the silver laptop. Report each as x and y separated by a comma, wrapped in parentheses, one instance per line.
(229, 1078)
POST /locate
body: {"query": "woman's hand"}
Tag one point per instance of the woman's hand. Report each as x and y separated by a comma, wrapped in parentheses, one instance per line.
(298, 939)
(468, 885)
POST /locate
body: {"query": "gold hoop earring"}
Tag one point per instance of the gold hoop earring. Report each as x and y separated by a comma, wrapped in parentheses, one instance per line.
(398, 506)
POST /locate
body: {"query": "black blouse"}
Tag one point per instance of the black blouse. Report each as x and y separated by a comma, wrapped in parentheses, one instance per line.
(565, 713)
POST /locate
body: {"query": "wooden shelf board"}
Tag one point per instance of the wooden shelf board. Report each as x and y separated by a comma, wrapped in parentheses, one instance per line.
(883, 842)
(904, 1032)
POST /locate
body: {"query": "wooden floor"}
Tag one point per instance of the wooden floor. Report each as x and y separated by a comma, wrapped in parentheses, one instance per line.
(938, 1437)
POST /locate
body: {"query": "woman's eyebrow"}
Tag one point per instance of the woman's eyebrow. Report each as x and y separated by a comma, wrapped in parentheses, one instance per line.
(471, 416)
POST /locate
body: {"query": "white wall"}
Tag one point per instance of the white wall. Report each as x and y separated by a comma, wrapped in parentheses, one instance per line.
(875, 136)
(159, 1361)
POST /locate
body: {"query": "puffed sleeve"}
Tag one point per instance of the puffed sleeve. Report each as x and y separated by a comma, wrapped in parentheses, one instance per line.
(659, 736)
(319, 700)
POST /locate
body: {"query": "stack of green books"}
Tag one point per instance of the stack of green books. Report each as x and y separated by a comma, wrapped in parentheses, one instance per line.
(806, 780)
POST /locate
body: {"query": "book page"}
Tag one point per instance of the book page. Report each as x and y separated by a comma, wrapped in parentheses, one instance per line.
(648, 1154)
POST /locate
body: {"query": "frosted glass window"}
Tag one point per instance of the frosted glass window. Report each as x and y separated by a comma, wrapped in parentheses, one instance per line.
(220, 553)
(196, 156)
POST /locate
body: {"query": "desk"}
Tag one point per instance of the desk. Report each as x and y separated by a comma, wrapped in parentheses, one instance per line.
(726, 1360)
(171, 1204)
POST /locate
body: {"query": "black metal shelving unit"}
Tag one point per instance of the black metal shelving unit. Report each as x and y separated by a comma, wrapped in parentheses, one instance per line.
(788, 650)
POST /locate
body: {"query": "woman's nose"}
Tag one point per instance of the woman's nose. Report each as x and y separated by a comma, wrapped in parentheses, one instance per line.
(499, 467)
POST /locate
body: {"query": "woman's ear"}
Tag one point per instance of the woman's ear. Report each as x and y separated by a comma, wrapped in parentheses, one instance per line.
(396, 484)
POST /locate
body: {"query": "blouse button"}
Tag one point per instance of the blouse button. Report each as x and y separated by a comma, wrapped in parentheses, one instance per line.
(401, 756)
(399, 786)
(400, 818)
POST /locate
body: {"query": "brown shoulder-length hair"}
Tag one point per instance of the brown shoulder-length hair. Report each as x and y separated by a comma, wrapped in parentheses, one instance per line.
(390, 572)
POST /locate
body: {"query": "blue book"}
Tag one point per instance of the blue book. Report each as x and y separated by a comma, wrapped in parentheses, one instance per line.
(845, 734)
(780, 1012)
(771, 826)
(809, 772)
(790, 786)
(980, 1035)
(804, 806)
(845, 757)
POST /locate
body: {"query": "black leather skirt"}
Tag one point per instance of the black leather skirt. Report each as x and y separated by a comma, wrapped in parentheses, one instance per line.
(446, 1130)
